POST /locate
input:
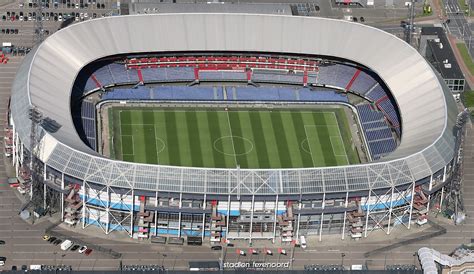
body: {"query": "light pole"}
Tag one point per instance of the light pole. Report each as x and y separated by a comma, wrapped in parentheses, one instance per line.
(163, 260)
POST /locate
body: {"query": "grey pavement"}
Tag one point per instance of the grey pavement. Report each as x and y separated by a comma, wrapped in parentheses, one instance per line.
(459, 25)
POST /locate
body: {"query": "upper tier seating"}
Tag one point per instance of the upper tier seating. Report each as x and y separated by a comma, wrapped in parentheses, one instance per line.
(88, 123)
(363, 83)
(336, 75)
(377, 132)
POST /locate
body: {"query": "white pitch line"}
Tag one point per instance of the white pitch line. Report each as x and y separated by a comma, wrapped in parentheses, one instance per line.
(232, 138)
(309, 144)
(340, 136)
(156, 145)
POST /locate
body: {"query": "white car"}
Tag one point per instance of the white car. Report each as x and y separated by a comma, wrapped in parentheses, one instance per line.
(66, 245)
(76, 6)
(21, 190)
(60, 18)
(82, 249)
(86, 15)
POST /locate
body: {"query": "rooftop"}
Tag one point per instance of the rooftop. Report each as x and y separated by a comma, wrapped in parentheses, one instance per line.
(445, 61)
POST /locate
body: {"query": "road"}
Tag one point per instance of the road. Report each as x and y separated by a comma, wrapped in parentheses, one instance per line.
(458, 25)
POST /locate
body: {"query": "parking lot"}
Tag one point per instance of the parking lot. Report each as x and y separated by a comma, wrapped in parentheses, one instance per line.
(22, 17)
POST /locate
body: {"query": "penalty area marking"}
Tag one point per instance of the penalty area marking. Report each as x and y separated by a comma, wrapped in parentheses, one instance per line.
(161, 145)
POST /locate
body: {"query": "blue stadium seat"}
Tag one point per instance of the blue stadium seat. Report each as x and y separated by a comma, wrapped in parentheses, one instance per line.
(88, 123)
(363, 83)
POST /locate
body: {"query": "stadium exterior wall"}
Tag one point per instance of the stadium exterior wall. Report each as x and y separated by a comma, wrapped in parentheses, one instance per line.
(425, 156)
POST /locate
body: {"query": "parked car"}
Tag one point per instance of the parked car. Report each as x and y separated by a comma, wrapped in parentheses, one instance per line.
(66, 245)
(2, 260)
(14, 268)
(57, 242)
(75, 247)
(88, 252)
(52, 239)
(83, 249)
(24, 267)
(2, 242)
(46, 237)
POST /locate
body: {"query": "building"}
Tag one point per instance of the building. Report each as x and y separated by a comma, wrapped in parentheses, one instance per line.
(393, 192)
(435, 46)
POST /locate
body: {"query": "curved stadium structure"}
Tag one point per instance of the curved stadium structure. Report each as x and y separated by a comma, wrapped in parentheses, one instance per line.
(385, 169)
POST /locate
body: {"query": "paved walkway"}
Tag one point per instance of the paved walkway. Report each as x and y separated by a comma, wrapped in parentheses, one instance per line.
(465, 70)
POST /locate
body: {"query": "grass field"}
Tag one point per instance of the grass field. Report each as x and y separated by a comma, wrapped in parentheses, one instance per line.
(227, 139)
(466, 57)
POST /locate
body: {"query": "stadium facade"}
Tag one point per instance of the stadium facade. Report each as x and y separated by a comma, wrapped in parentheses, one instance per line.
(392, 192)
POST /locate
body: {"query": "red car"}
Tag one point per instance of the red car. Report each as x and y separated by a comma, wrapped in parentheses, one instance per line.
(88, 252)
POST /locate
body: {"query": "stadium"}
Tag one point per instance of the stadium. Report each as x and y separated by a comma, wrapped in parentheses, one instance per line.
(232, 126)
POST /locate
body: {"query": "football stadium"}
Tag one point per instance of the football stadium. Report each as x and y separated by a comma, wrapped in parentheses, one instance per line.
(232, 126)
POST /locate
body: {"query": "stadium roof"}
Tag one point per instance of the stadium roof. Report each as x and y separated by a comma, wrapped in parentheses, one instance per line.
(46, 77)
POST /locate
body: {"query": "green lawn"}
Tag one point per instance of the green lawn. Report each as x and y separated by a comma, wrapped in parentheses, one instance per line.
(466, 57)
(468, 99)
(226, 139)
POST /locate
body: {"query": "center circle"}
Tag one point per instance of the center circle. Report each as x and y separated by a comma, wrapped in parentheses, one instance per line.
(229, 141)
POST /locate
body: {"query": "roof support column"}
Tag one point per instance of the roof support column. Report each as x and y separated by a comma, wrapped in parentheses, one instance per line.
(411, 204)
(322, 218)
(132, 208)
(204, 217)
(228, 218)
(62, 197)
(84, 204)
(430, 187)
(107, 210)
(298, 219)
(444, 174)
(390, 210)
(180, 214)
(44, 186)
(156, 213)
(275, 219)
(441, 200)
(346, 204)
(251, 218)
(367, 212)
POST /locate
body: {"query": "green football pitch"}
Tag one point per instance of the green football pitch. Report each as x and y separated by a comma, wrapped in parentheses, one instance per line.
(249, 138)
